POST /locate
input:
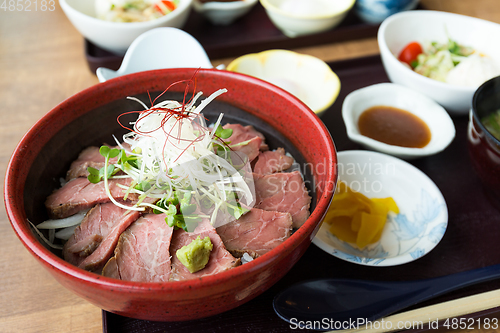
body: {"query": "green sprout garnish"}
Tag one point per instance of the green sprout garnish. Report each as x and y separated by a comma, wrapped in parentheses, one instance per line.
(95, 176)
(179, 210)
(223, 133)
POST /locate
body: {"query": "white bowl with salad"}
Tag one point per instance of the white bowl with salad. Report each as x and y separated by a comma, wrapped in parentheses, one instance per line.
(114, 24)
(443, 55)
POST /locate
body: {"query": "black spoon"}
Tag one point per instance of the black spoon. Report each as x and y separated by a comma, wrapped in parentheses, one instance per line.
(343, 301)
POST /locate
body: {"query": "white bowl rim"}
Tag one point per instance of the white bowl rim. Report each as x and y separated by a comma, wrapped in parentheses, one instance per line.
(183, 5)
(271, 7)
(219, 5)
(148, 40)
(354, 134)
(428, 14)
(387, 261)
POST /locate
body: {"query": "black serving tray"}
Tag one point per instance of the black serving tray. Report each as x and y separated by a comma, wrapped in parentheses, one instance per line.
(471, 240)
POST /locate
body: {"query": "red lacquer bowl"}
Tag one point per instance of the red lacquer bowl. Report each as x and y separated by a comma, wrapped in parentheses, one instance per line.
(484, 148)
(89, 118)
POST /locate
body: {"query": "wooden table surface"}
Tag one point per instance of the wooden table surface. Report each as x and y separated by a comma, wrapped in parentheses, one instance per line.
(42, 62)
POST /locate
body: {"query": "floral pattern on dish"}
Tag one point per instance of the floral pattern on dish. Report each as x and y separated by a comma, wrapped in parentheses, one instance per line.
(407, 236)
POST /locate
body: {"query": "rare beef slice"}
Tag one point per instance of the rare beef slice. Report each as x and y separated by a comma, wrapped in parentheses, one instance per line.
(257, 232)
(142, 253)
(283, 192)
(79, 194)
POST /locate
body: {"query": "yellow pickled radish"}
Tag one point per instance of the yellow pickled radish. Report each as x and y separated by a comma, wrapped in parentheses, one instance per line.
(389, 202)
(342, 229)
(370, 226)
(355, 218)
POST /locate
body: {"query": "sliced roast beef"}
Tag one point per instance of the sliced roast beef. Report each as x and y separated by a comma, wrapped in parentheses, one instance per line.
(250, 148)
(220, 259)
(142, 253)
(272, 161)
(97, 259)
(96, 225)
(89, 157)
(257, 232)
(79, 194)
(283, 192)
(244, 133)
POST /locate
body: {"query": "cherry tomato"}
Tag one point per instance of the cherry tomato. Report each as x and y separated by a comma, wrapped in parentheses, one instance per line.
(410, 53)
(169, 4)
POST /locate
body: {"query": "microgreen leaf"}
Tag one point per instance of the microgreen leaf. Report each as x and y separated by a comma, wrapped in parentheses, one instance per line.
(94, 176)
(143, 186)
(107, 170)
(111, 169)
(186, 207)
(237, 211)
(179, 210)
(109, 152)
(172, 211)
(93, 171)
(223, 133)
(123, 159)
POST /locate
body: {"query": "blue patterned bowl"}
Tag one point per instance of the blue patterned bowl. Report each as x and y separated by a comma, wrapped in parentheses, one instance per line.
(407, 236)
(375, 11)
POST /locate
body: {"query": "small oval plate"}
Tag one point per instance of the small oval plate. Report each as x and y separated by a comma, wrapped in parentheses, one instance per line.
(407, 236)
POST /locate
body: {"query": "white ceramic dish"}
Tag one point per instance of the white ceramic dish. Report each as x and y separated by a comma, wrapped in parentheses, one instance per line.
(424, 26)
(113, 36)
(414, 232)
(390, 94)
(224, 13)
(298, 17)
(152, 50)
(307, 77)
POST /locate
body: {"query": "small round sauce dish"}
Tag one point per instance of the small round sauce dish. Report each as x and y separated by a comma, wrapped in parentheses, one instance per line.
(396, 120)
(413, 232)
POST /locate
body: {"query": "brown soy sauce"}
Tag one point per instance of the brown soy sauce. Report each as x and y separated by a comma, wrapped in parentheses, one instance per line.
(394, 126)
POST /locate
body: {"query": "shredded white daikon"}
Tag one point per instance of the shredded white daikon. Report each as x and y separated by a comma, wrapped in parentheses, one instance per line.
(175, 150)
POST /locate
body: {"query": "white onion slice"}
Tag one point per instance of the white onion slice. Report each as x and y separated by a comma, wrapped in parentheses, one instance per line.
(63, 223)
